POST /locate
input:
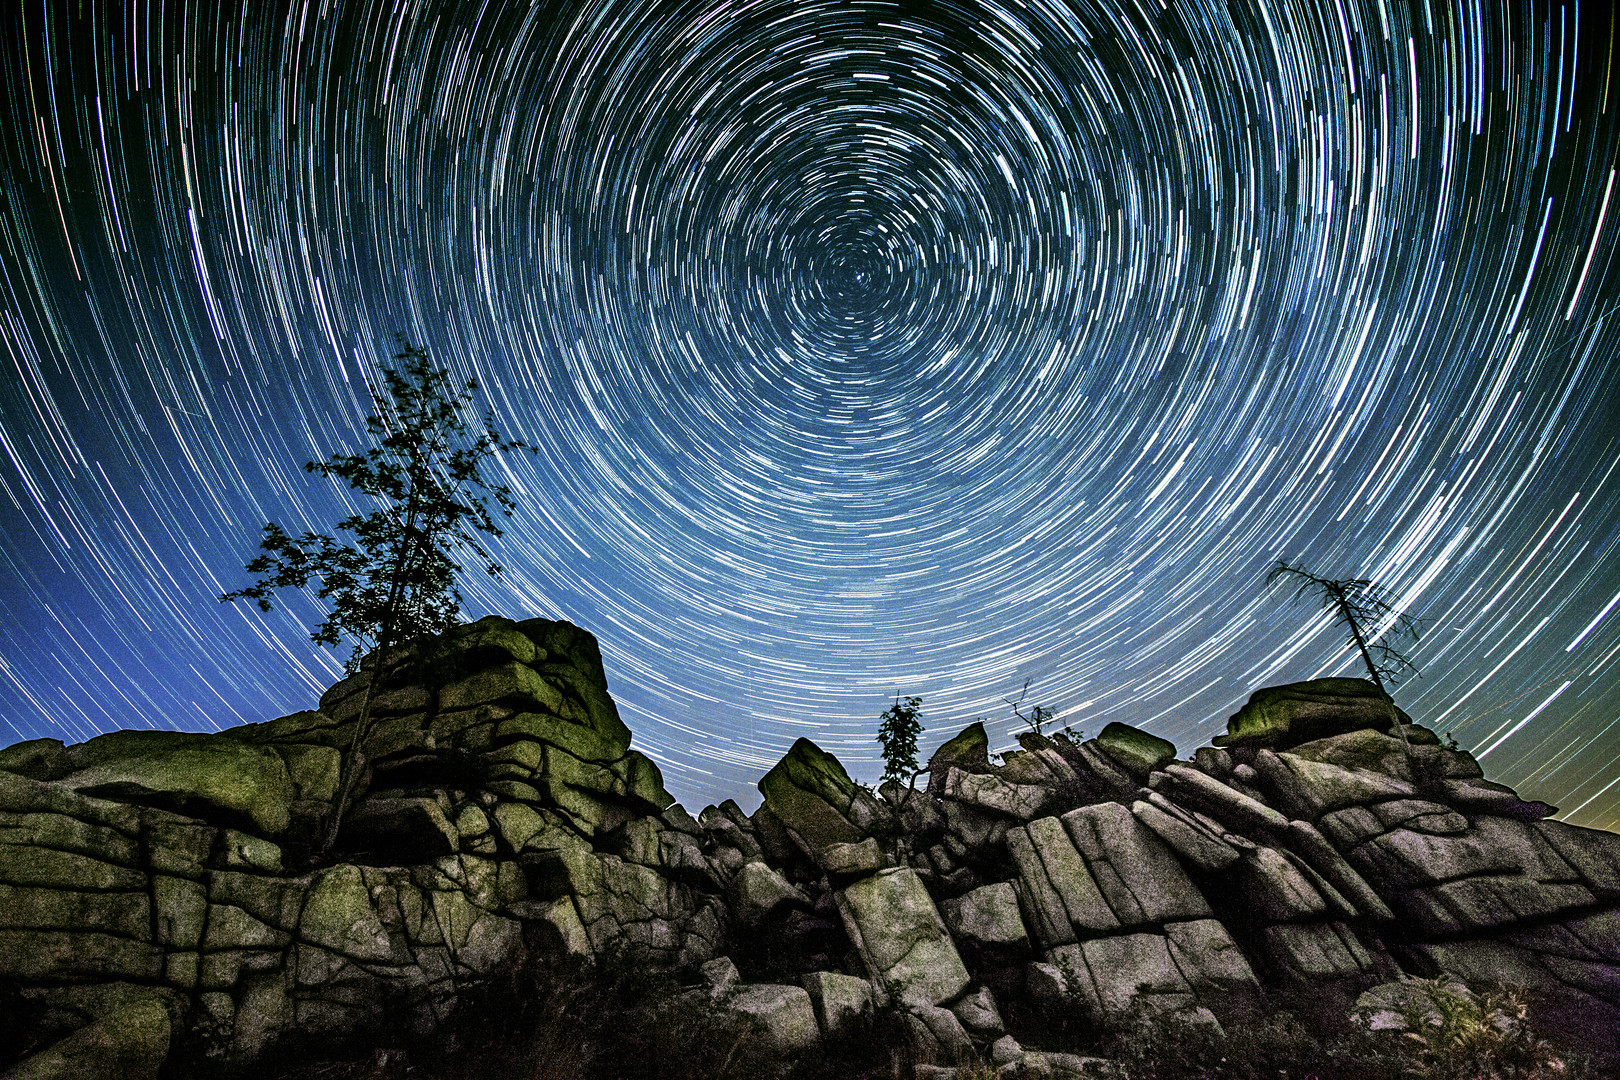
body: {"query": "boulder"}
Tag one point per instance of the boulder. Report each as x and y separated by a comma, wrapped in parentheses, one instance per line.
(978, 1013)
(1137, 875)
(1213, 965)
(991, 792)
(1280, 717)
(1183, 835)
(1314, 953)
(1403, 858)
(937, 1033)
(219, 780)
(1304, 839)
(843, 1003)
(1593, 853)
(130, 1042)
(757, 891)
(898, 932)
(1396, 1005)
(1486, 902)
(1238, 811)
(1484, 797)
(1072, 880)
(809, 792)
(987, 917)
(1276, 890)
(1134, 969)
(1135, 750)
(968, 750)
(1043, 907)
(784, 1013)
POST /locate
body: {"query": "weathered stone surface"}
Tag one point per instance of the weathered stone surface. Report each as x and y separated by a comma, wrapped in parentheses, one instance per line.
(1487, 902)
(1238, 811)
(338, 916)
(1101, 773)
(26, 864)
(1484, 797)
(809, 792)
(1594, 854)
(1314, 848)
(1317, 952)
(1042, 906)
(1186, 838)
(1326, 787)
(1135, 872)
(987, 916)
(37, 759)
(1076, 888)
(219, 779)
(1128, 967)
(1420, 815)
(1021, 801)
(129, 1043)
(968, 750)
(893, 923)
(842, 1002)
(861, 858)
(758, 890)
(785, 1014)
(1134, 750)
(1403, 858)
(938, 1033)
(1283, 716)
(978, 1013)
(1277, 890)
(1212, 964)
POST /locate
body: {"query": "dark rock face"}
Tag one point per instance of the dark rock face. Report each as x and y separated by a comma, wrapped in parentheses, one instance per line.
(1284, 716)
(158, 883)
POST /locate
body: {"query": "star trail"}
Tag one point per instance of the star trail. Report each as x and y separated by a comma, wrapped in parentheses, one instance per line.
(869, 347)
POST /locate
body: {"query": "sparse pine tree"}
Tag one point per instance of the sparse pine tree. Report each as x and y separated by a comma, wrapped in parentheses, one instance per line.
(1360, 606)
(898, 736)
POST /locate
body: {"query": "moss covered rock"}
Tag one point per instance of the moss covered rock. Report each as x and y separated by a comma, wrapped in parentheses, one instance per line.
(1279, 717)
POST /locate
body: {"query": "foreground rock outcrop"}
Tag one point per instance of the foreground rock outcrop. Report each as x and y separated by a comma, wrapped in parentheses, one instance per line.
(158, 896)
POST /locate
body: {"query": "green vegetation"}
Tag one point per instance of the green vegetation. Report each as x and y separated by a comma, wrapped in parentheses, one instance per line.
(396, 580)
(898, 733)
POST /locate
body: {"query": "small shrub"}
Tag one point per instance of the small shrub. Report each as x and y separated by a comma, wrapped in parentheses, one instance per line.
(1457, 1034)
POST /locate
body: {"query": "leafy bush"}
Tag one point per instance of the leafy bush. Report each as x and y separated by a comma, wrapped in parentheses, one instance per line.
(1457, 1034)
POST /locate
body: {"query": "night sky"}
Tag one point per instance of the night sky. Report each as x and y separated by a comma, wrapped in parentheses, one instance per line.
(868, 347)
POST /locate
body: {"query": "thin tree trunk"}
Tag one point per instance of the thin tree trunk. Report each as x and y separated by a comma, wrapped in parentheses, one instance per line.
(1372, 669)
(354, 760)
(1361, 644)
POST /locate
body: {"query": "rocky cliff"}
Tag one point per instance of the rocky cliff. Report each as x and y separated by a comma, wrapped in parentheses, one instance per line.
(157, 895)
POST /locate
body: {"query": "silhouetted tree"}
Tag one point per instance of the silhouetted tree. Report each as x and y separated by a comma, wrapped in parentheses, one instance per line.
(1038, 714)
(396, 579)
(898, 735)
(1360, 606)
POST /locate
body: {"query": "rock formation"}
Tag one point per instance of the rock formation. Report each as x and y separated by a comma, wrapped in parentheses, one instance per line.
(157, 894)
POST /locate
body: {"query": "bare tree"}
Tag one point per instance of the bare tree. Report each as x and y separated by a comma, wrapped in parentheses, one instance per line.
(1361, 606)
(1038, 714)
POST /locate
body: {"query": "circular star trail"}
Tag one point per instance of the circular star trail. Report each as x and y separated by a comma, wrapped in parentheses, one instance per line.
(869, 347)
